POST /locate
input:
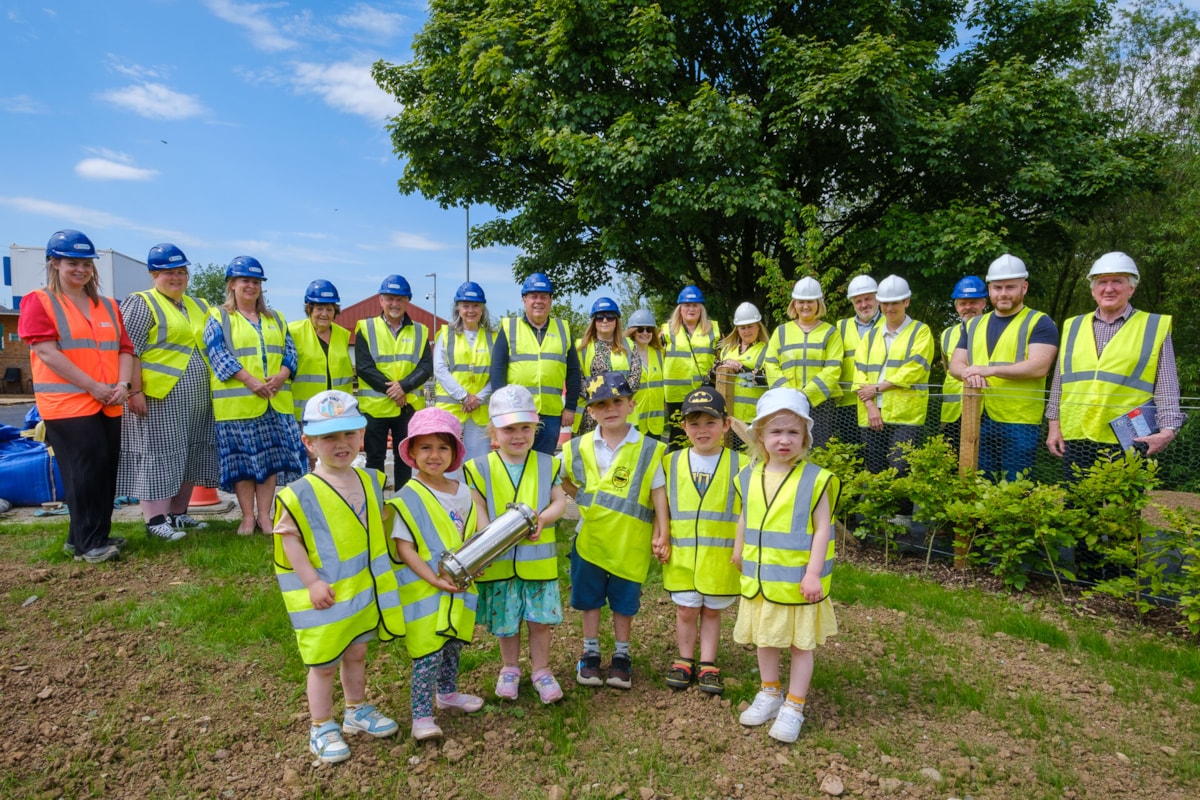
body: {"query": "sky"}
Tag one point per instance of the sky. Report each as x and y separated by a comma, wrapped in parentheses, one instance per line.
(228, 128)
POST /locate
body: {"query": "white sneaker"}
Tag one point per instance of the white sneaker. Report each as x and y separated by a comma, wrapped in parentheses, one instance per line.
(426, 728)
(327, 744)
(764, 709)
(459, 700)
(787, 724)
(164, 530)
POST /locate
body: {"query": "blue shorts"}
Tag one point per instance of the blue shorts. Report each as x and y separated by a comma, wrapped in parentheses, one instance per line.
(591, 586)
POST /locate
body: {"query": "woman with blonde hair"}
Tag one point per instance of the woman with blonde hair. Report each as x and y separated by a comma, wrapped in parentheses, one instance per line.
(690, 343)
(601, 350)
(806, 354)
(745, 350)
(649, 405)
(462, 361)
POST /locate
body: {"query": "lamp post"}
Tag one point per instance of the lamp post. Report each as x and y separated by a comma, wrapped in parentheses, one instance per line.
(433, 335)
(468, 241)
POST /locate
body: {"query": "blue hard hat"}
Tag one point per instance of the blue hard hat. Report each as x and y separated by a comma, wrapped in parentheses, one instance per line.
(969, 288)
(166, 256)
(606, 305)
(537, 282)
(395, 284)
(691, 294)
(245, 267)
(321, 291)
(70, 244)
(607, 385)
(469, 292)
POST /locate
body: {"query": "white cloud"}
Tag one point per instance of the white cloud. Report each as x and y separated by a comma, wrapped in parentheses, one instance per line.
(415, 241)
(155, 101)
(22, 104)
(372, 20)
(135, 71)
(101, 169)
(282, 253)
(79, 216)
(263, 32)
(347, 87)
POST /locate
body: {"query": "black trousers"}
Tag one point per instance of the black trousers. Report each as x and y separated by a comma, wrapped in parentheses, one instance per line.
(375, 442)
(88, 450)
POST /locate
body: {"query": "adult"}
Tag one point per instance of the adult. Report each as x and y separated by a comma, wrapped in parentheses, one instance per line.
(168, 445)
(745, 349)
(649, 400)
(602, 349)
(1008, 352)
(462, 359)
(82, 363)
(1112, 361)
(892, 380)
(806, 354)
(253, 359)
(393, 359)
(322, 347)
(861, 294)
(536, 351)
(970, 301)
(690, 350)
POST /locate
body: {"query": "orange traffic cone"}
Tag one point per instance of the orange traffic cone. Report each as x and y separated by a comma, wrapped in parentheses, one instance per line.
(204, 496)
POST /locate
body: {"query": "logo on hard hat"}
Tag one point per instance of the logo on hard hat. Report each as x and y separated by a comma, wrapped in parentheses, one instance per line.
(175, 258)
(80, 246)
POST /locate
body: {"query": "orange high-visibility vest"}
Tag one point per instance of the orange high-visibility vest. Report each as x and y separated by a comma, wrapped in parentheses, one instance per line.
(93, 345)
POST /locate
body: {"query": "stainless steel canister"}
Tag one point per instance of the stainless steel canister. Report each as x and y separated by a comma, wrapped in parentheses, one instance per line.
(462, 565)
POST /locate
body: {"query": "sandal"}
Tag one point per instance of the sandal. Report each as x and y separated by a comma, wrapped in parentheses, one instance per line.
(681, 673)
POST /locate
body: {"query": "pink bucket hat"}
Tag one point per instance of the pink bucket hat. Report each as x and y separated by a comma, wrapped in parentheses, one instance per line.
(433, 420)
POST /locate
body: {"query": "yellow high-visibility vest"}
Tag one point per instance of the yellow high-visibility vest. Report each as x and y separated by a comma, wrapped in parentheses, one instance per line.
(541, 367)
(396, 357)
(687, 359)
(469, 366)
(745, 398)
(315, 368)
(232, 399)
(1008, 399)
(649, 400)
(809, 361)
(703, 528)
(907, 365)
(172, 338)
(851, 341)
(618, 361)
(530, 561)
(951, 387)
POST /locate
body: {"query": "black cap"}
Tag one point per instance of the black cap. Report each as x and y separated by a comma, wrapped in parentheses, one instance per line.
(607, 385)
(705, 400)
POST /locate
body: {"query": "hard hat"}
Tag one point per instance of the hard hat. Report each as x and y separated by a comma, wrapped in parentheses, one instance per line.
(537, 282)
(1006, 267)
(642, 318)
(746, 314)
(807, 289)
(783, 398)
(469, 292)
(166, 256)
(607, 385)
(510, 405)
(969, 288)
(70, 244)
(1113, 264)
(244, 267)
(893, 289)
(606, 305)
(321, 291)
(862, 284)
(691, 294)
(395, 284)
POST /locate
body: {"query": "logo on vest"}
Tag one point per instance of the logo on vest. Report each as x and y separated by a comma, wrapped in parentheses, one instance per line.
(620, 477)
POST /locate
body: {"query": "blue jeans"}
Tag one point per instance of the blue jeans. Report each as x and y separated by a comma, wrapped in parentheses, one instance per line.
(1006, 448)
(546, 440)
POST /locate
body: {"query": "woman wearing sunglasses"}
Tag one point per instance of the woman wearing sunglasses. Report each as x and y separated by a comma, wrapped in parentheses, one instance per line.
(602, 350)
(649, 399)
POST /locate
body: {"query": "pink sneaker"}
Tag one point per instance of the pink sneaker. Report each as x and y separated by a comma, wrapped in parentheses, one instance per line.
(460, 700)
(547, 687)
(508, 683)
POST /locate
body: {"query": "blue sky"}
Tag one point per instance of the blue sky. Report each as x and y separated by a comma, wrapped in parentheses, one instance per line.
(229, 128)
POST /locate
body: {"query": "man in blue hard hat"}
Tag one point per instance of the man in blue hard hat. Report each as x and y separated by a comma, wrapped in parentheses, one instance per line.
(970, 301)
(536, 351)
(1008, 353)
(393, 359)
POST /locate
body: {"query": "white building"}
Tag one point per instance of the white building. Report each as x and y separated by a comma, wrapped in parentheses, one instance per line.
(25, 270)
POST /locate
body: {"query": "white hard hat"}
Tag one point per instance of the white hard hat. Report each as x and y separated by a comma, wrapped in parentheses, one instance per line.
(863, 284)
(1112, 264)
(807, 289)
(1006, 267)
(746, 314)
(782, 398)
(893, 289)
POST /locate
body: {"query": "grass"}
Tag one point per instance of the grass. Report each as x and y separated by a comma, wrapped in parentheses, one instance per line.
(916, 663)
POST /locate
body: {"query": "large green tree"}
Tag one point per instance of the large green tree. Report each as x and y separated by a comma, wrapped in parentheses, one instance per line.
(738, 144)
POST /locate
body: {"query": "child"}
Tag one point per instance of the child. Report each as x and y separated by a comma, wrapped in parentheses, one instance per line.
(615, 475)
(522, 584)
(784, 547)
(432, 514)
(704, 502)
(329, 545)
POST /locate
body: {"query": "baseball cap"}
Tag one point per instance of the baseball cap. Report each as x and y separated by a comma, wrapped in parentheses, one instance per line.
(783, 398)
(512, 404)
(332, 411)
(606, 386)
(705, 400)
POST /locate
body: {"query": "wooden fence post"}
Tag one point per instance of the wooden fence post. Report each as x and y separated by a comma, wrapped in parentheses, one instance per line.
(726, 378)
(968, 454)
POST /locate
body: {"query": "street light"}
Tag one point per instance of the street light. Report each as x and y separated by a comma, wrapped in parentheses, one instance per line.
(433, 275)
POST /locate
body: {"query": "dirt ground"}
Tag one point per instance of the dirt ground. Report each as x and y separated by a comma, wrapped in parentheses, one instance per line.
(101, 711)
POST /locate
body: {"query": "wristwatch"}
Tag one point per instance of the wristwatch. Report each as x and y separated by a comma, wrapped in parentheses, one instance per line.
(127, 385)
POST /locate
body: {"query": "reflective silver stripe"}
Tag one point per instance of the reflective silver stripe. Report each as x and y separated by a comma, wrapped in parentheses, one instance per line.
(683, 541)
(346, 381)
(654, 414)
(629, 505)
(309, 379)
(347, 608)
(715, 541)
(578, 474)
(676, 382)
(174, 372)
(947, 399)
(1128, 381)
(533, 551)
(223, 393)
(160, 324)
(419, 609)
(227, 332)
(290, 582)
(334, 567)
(58, 388)
(68, 342)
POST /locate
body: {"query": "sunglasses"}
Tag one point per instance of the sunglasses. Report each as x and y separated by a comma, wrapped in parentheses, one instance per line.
(643, 330)
(605, 318)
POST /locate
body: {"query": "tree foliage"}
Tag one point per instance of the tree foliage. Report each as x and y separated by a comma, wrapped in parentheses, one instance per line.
(208, 283)
(716, 143)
